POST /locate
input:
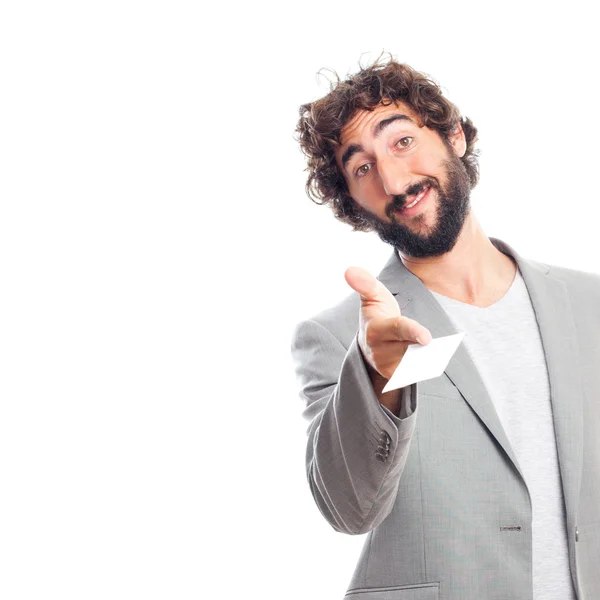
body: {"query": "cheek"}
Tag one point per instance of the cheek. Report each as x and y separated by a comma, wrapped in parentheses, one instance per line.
(371, 194)
(425, 164)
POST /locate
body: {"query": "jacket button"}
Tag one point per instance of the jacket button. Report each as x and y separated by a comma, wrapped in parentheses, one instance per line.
(381, 454)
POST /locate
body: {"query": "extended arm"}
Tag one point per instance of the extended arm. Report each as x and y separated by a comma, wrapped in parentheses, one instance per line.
(356, 447)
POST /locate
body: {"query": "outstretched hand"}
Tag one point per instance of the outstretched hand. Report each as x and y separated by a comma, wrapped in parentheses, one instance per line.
(384, 334)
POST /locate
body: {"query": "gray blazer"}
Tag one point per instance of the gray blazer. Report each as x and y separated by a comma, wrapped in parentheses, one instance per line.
(440, 492)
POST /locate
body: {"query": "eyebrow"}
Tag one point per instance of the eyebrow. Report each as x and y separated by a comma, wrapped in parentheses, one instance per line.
(386, 122)
(351, 150)
(354, 148)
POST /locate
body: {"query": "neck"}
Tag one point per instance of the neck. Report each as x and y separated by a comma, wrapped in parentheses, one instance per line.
(474, 271)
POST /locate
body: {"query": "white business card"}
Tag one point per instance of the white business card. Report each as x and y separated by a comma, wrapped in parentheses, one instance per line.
(424, 362)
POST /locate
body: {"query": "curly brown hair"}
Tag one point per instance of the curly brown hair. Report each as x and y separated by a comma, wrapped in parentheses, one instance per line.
(383, 82)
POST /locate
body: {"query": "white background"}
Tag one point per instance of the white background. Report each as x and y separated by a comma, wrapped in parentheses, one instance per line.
(157, 248)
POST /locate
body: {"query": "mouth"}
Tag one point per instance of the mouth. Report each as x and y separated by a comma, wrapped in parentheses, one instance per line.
(414, 206)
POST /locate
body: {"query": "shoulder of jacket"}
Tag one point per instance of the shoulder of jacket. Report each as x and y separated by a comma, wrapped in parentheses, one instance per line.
(575, 277)
(341, 319)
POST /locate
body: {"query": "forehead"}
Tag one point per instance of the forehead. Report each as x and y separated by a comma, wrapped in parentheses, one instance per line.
(364, 121)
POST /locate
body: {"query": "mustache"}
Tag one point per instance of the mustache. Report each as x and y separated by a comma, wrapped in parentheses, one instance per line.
(400, 200)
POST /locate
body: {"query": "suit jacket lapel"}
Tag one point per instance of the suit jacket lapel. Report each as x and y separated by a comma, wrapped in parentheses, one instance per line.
(552, 308)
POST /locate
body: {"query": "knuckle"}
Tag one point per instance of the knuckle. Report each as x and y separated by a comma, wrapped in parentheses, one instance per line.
(371, 335)
(401, 328)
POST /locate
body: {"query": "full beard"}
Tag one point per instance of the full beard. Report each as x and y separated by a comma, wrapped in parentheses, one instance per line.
(453, 206)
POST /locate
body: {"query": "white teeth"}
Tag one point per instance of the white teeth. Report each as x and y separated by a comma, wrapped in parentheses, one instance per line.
(418, 199)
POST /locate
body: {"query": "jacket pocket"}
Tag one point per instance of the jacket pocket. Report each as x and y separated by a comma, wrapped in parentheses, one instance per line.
(416, 591)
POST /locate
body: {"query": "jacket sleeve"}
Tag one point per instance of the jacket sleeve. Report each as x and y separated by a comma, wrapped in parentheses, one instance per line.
(356, 448)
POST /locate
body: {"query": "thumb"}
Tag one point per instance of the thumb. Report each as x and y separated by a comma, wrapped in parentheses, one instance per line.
(361, 281)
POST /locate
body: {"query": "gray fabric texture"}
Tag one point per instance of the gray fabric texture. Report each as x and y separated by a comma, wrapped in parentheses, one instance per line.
(504, 343)
(441, 494)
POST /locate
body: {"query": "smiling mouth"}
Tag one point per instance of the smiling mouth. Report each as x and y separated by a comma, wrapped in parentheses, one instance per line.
(417, 199)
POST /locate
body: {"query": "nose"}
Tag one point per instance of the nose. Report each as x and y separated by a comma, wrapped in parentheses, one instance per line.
(394, 176)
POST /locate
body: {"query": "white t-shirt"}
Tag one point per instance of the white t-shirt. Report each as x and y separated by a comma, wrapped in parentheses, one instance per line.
(503, 340)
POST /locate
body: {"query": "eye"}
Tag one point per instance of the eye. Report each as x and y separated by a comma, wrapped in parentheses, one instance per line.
(363, 170)
(404, 142)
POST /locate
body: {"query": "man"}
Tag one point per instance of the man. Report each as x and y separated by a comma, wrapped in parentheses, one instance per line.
(483, 483)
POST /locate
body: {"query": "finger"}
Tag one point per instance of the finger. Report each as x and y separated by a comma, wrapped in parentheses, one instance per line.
(416, 331)
(361, 281)
(401, 329)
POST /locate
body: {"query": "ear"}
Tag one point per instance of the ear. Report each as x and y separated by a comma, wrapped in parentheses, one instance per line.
(458, 141)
